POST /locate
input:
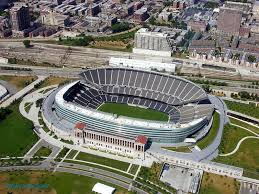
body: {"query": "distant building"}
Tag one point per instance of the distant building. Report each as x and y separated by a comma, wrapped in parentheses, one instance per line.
(94, 10)
(201, 46)
(54, 19)
(140, 15)
(229, 21)
(179, 4)
(197, 26)
(20, 17)
(154, 43)
(165, 16)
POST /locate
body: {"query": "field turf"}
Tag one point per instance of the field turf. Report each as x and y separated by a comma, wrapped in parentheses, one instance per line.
(133, 111)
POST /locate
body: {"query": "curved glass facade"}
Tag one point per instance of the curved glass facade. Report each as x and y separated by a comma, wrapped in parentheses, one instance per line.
(162, 135)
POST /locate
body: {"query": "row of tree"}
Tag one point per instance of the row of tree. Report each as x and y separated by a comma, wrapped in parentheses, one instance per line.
(245, 96)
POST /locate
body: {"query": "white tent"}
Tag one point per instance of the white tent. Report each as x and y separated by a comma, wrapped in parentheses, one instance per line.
(103, 189)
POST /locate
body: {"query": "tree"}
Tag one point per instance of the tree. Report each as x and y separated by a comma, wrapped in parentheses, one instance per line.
(119, 27)
(251, 58)
(27, 43)
(207, 88)
(152, 20)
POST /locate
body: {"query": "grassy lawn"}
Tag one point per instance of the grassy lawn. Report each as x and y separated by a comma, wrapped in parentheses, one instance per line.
(43, 152)
(27, 106)
(244, 124)
(230, 138)
(218, 184)
(208, 139)
(17, 135)
(57, 183)
(104, 161)
(99, 167)
(246, 157)
(133, 111)
(247, 109)
(62, 153)
(71, 154)
(133, 169)
(18, 81)
(178, 149)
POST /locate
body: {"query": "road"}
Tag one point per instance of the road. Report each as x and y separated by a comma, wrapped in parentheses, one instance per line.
(107, 176)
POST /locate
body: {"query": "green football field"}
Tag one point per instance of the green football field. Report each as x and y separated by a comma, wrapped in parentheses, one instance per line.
(133, 111)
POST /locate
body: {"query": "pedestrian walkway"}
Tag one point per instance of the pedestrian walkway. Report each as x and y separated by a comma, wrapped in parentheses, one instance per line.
(61, 161)
(129, 167)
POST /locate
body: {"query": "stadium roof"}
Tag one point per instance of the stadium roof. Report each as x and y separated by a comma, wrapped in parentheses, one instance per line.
(103, 189)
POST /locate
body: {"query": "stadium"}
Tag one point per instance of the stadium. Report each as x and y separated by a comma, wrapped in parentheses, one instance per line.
(129, 103)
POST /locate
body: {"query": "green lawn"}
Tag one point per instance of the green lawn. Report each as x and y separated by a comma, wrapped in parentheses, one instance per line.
(230, 138)
(62, 153)
(178, 149)
(43, 152)
(244, 124)
(218, 184)
(101, 160)
(16, 133)
(71, 154)
(208, 139)
(27, 106)
(133, 169)
(58, 182)
(99, 167)
(247, 109)
(133, 111)
(246, 157)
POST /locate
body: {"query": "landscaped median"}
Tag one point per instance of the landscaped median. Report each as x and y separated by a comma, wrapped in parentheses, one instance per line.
(178, 149)
(102, 160)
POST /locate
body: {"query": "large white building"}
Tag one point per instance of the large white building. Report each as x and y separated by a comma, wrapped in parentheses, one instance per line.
(141, 64)
(152, 43)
